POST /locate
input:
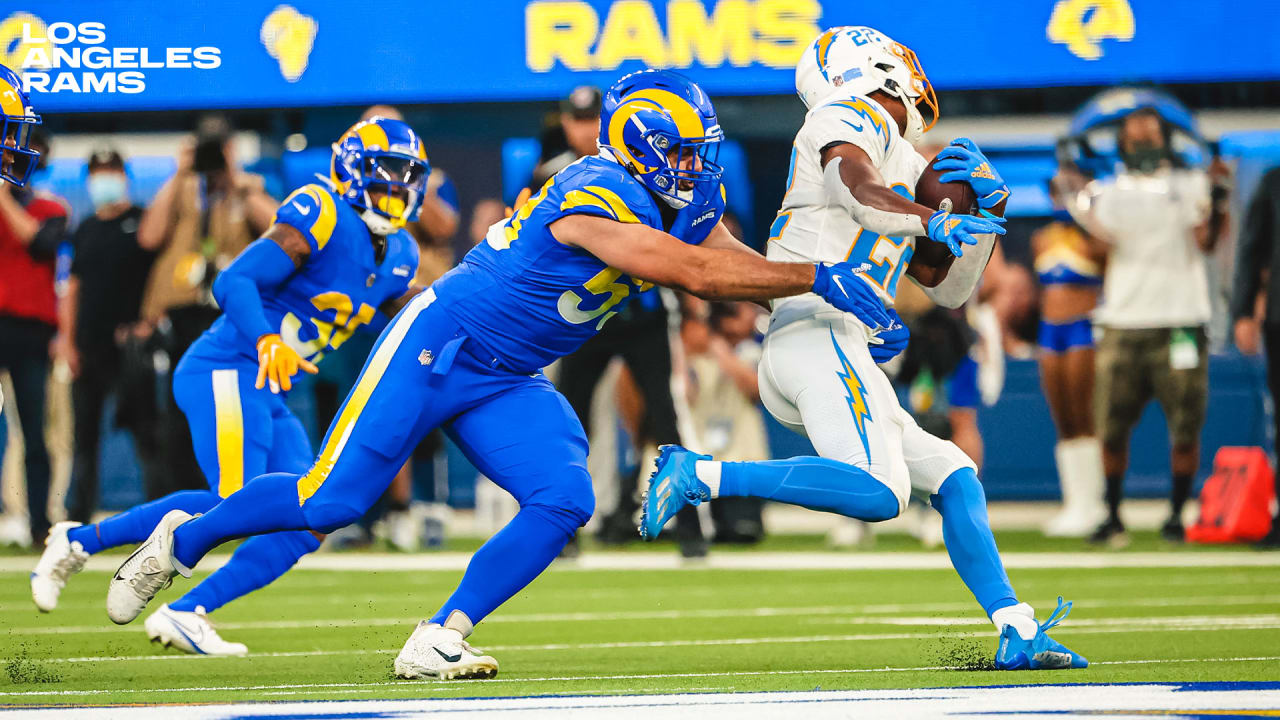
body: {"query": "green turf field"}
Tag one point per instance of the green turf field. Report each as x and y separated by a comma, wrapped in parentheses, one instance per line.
(320, 634)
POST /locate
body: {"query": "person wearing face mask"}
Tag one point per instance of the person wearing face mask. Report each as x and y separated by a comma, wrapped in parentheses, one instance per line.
(1157, 219)
(103, 295)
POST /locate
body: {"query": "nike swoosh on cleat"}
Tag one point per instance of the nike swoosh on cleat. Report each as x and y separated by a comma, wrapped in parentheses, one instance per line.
(126, 562)
(448, 658)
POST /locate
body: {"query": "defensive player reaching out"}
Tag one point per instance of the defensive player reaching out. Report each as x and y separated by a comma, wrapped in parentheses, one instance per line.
(466, 355)
(849, 195)
(332, 255)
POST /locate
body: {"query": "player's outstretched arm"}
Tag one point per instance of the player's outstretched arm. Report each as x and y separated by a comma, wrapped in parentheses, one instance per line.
(264, 265)
(715, 274)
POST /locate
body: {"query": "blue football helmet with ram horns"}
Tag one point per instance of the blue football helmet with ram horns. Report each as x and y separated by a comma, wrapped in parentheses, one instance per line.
(663, 128)
(380, 167)
(17, 118)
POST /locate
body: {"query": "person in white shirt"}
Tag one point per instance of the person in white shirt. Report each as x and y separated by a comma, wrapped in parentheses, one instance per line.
(1157, 223)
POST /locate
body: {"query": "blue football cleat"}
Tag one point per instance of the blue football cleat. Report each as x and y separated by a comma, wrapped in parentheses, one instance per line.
(1041, 652)
(672, 486)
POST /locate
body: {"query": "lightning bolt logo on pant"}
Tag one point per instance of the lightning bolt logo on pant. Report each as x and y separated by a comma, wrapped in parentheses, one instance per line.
(856, 395)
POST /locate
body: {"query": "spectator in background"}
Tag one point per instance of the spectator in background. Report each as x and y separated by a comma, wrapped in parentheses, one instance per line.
(33, 224)
(573, 137)
(1255, 297)
(722, 353)
(103, 299)
(199, 220)
(1158, 224)
(1069, 266)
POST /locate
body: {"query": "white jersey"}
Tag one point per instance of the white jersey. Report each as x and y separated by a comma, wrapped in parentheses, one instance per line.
(810, 227)
(1155, 275)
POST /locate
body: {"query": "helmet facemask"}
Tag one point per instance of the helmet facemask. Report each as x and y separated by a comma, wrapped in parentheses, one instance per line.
(908, 83)
(17, 159)
(688, 173)
(390, 188)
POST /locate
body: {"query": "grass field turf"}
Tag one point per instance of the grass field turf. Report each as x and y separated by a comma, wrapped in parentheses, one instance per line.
(332, 635)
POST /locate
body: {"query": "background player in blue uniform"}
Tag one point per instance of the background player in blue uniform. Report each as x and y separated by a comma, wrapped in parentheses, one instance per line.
(331, 256)
(466, 355)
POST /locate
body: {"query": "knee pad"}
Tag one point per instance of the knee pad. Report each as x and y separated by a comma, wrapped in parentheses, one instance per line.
(569, 496)
(326, 517)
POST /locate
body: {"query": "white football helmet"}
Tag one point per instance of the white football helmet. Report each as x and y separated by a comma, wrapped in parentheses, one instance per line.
(860, 60)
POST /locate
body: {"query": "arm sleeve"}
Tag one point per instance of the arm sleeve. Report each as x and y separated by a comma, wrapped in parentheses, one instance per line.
(312, 211)
(1254, 245)
(263, 265)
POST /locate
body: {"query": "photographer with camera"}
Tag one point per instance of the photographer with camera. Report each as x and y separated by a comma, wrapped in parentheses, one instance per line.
(200, 219)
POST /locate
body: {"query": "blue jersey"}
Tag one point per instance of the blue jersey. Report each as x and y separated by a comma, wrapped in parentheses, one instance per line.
(529, 299)
(338, 289)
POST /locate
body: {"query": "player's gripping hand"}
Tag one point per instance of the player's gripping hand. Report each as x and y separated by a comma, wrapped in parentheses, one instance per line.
(955, 231)
(890, 342)
(277, 363)
(842, 286)
(964, 162)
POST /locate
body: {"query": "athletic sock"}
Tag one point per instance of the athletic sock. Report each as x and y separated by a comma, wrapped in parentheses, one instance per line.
(134, 525)
(256, 563)
(708, 471)
(1181, 491)
(1115, 491)
(967, 534)
(511, 559)
(813, 482)
(266, 504)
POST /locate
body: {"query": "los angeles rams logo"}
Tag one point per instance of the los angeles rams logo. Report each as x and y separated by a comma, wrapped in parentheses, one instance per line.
(288, 36)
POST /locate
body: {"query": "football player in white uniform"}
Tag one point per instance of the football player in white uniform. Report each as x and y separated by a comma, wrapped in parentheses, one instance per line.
(850, 197)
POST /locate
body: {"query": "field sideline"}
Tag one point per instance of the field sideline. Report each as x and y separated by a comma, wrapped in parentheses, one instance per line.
(330, 634)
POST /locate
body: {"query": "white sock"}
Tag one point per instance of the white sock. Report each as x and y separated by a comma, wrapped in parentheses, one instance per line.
(708, 471)
(1020, 616)
(1067, 471)
(1080, 466)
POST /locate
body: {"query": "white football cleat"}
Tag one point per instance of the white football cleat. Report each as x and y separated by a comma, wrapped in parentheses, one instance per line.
(441, 652)
(14, 530)
(148, 570)
(61, 559)
(190, 632)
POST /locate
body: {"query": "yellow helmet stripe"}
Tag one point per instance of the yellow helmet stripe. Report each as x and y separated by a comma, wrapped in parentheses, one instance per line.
(372, 135)
(11, 100)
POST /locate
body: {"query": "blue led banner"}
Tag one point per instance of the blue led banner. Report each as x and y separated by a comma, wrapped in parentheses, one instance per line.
(141, 55)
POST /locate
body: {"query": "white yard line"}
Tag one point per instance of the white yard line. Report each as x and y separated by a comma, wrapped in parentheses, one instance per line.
(451, 561)
(442, 686)
(823, 613)
(1084, 626)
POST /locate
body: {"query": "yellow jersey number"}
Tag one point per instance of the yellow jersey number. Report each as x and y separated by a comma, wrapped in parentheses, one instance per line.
(329, 335)
(604, 282)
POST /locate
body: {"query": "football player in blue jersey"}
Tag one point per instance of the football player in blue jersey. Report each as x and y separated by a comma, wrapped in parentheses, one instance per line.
(332, 256)
(17, 119)
(467, 355)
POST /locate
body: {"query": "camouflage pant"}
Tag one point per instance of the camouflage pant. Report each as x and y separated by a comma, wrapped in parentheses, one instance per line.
(1134, 366)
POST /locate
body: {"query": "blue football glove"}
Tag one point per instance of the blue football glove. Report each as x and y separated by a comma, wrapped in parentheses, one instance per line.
(964, 162)
(955, 231)
(844, 287)
(893, 340)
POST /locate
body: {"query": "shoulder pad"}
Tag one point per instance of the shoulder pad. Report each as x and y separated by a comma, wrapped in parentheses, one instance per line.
(313, 211)
(601, 187)
(861, 114)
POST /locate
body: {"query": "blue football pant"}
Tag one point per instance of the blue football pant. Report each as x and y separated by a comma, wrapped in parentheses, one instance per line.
(426, 373)
(237, 432)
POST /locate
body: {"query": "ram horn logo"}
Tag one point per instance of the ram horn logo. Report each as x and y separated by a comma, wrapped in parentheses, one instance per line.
(288, 36)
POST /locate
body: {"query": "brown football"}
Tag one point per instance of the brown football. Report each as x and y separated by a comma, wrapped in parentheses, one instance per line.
(931, 193)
